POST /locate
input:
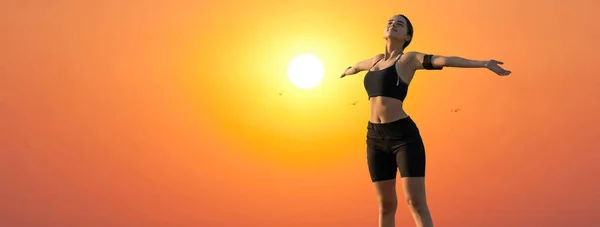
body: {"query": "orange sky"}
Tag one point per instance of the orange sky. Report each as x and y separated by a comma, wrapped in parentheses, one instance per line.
(147, 113)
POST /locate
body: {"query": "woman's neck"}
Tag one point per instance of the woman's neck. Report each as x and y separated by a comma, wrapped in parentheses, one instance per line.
(392, 49)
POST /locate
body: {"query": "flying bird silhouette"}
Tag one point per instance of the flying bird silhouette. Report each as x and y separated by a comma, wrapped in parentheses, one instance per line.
(455, 110)
(280, 93)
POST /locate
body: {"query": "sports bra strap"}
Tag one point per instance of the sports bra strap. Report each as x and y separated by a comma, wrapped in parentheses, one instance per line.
(398, 58)
(375, 63)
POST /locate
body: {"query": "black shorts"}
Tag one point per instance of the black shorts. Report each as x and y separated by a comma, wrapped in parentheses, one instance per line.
(395, 145)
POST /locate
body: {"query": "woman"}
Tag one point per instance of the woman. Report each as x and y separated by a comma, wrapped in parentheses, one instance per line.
(393, 139)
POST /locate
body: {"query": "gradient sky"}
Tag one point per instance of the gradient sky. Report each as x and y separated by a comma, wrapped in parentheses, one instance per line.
(152, 114)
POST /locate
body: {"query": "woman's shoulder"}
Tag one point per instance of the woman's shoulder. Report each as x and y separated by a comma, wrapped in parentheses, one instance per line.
(410, 56)
(377, 57)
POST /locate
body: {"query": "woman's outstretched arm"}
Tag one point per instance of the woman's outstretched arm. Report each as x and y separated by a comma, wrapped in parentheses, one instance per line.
(361, 66)
(436, 62)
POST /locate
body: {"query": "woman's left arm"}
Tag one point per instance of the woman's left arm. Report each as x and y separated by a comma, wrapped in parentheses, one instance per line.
(436, 62)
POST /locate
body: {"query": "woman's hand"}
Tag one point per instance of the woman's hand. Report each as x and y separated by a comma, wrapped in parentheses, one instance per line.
(347, 72)
(494, 66)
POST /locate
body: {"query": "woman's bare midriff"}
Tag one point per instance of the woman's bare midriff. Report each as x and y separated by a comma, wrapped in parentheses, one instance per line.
(385, 110)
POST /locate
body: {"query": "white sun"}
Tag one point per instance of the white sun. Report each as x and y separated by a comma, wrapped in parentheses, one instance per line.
(305, 71)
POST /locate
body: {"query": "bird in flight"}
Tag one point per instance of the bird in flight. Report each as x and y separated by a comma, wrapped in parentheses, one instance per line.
(455, 110)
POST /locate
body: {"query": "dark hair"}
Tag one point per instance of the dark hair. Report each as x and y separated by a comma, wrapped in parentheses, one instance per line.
(409, 29)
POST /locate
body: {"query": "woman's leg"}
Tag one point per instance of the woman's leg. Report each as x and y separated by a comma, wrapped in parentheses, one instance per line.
(414, 193)
(388, 202)
(410, 156)
(383, 171)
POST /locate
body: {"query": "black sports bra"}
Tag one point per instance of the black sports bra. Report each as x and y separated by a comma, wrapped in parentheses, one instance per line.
(386, 82)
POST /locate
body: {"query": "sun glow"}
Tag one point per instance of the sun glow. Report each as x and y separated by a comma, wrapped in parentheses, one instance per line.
(305, 71)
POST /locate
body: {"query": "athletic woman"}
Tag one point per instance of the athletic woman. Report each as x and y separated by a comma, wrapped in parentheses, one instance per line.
(393, 139)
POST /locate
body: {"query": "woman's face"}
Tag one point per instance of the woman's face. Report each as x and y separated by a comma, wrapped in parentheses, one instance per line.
(397, 29)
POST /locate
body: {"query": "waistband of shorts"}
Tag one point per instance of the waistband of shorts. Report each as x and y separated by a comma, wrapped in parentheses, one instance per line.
(399, 128)
(401, 121)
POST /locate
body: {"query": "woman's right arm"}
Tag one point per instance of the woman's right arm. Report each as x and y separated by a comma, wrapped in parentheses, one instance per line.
(361, 66)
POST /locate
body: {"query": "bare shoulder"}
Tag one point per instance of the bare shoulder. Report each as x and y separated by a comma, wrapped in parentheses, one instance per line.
(407, 58)
(367, 63)
(410, 56)
(413, 59)
(377, 58)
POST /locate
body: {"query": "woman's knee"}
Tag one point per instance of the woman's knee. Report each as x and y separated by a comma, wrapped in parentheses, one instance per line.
(388, 205)
(417, 204)
(414, 192)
